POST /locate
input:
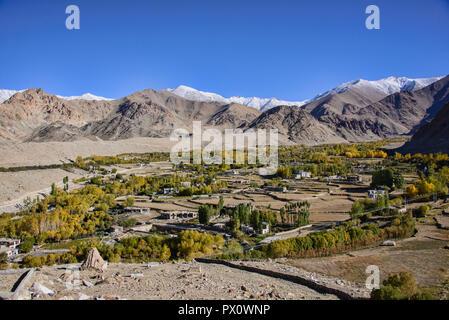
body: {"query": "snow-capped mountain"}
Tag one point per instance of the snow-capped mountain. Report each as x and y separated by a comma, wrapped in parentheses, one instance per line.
(387, 86)
(383, 87)
(86, 96)
(5, 94)
(254, 102)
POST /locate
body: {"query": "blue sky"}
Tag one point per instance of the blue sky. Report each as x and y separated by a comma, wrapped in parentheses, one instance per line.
(288, 49)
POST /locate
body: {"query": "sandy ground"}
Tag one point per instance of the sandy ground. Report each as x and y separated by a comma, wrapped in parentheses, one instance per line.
(44, 153)
(188, 280)
(16, 186)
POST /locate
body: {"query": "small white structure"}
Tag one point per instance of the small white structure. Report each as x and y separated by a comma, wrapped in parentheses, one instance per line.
(402, 210)
(303, 174)
(186, 184)
(168, 190)
(220, 225)
(265, 227)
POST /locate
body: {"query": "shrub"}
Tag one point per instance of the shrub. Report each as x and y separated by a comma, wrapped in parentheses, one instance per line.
(27, 244)
(421, 212)
(399, 286)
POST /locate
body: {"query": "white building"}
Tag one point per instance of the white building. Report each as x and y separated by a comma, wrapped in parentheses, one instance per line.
(303, 174)
(9, 247)
(265, 227)
(168, 190)
(186, 184)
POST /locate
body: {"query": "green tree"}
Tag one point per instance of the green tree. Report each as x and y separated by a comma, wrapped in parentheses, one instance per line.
(284, 172)
(398, 181)
(399, 286)
(220, 203)
(129, 202)
(27, 244)
(53, 189)
(383, 177)
(204, 214)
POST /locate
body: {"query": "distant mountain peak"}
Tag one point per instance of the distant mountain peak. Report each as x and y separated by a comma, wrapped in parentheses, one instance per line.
(5, 94)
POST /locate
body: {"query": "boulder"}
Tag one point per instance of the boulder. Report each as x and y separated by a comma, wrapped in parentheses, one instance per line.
(88, 283)
(389, 243)
(94, 261)
(40, 289)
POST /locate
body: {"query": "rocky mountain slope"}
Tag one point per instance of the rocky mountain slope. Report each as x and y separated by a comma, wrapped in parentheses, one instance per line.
(357, 115)
(431, 137)
(28, 110)
(296, 125)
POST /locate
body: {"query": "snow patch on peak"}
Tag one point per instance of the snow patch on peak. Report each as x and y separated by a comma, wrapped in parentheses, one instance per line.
(5, 94)
(254, 102)
(196, 95)
(386, 86)
(86, 96)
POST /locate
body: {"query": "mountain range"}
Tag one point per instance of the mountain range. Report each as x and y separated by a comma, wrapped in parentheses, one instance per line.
(379, 88)
(5, 94)
(359, 110)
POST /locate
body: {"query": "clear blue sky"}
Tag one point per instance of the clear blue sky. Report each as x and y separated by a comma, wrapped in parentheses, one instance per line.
(277, 48)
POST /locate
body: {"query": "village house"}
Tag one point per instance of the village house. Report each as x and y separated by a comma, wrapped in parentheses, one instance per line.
(265, 227)
(186, 184)
(10, 247)
(168, 190)
(10, 243)
(303, 174)
(173, 215)
(137, 210)
(373, 194)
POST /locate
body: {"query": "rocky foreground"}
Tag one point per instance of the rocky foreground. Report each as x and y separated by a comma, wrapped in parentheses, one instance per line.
(182, 280)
